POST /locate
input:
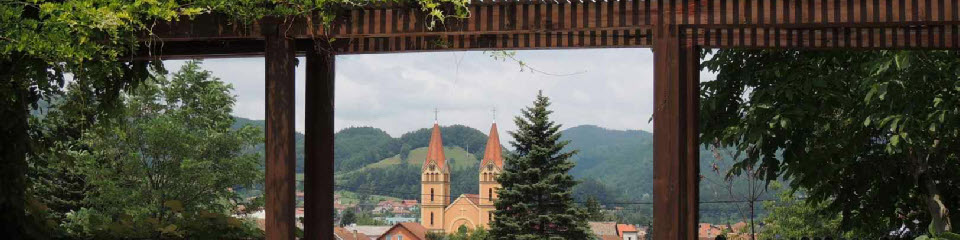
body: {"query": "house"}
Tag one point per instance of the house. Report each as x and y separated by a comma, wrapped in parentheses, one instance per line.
(708, 231)
(628, 232)
(604, 230)
(340, 233)
(405, 231)
(373, 232)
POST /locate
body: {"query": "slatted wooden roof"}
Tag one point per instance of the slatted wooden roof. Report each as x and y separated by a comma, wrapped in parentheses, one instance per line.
(523, 24)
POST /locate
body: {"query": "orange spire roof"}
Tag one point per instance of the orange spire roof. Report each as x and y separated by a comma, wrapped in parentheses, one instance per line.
(493, 152)
(435, 149)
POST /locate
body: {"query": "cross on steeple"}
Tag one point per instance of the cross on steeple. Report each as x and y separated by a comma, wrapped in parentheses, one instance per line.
(435, 112)
(494, 114)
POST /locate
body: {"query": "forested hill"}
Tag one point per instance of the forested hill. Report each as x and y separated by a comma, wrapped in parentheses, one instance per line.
(614, 165)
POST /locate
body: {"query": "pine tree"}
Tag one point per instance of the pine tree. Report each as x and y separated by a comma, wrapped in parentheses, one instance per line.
(536, 198)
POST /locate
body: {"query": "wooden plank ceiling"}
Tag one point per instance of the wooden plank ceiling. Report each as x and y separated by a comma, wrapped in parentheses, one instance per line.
(523, 24)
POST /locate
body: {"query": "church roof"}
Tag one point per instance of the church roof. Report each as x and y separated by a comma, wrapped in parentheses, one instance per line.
(475, 198)
(472, 199)
(435, 149)
(493, 152)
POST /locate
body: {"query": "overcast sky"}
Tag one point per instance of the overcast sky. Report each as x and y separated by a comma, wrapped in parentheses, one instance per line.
(611, 88)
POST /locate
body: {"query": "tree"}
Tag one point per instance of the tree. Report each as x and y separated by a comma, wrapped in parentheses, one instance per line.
(871, 133)
(790, 218)
(166, 166)
(536, 201)
(594, 210)
(42, 40)
(349, 217)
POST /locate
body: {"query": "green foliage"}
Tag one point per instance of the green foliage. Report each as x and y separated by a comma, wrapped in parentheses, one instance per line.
(93, 40)
(165, 165)
(462, 234)
(536, 199)
(359, 146)
(790, 218)
(873, 133)
(594, 210)
(349, 217)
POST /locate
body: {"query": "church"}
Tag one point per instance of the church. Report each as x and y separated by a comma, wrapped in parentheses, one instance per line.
(437, 213)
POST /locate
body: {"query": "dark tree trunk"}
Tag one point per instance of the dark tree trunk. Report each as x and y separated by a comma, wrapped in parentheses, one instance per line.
(13, 151)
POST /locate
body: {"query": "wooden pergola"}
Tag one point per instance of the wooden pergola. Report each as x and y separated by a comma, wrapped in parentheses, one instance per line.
(674, 29)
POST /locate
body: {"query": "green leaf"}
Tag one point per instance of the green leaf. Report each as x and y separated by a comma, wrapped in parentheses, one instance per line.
(895, 140)
(866, 123)
(903, 60)
(950, 236)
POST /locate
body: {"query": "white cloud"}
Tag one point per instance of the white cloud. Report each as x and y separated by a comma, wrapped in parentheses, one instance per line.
(398, 92)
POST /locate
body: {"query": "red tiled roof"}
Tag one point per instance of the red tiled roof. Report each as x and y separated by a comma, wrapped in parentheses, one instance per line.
(708, 231)
(603, 228)
(609, 237)
(435, 149)
(622, 228)
(415, 228)
(345, 234)
(493, 152)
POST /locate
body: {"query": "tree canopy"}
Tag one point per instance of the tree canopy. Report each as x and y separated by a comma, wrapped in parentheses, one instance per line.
(167, 164)
(872, 133)
(42, 41)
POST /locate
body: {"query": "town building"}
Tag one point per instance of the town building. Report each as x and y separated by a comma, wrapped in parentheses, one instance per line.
(340, 233)
(438, 213)
(628, 232)
(405, 231)
(615, 231)
(373, 232)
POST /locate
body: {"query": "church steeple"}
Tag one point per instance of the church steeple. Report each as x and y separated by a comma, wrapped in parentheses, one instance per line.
(434, 184)
(493, 153)
(435, 150)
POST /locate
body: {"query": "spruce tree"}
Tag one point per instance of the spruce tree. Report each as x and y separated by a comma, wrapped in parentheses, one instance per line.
(536, 198)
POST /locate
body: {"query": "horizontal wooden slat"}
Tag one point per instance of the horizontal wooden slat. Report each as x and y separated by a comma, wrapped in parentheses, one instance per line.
(520, 24)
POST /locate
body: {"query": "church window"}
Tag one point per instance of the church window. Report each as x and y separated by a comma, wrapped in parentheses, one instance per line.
(490, 216)
(431, 219)
(431, 196)
(490, 194)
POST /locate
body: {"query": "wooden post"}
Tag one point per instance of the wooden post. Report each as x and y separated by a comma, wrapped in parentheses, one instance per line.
(676, 152)
(281, 159)
(318, 165)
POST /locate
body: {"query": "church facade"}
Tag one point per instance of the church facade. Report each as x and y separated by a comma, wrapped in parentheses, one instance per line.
(437, 212)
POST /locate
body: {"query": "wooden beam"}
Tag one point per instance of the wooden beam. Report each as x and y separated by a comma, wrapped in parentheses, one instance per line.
(521, 24)
(318, 165)
(675, 137)
(280, 149)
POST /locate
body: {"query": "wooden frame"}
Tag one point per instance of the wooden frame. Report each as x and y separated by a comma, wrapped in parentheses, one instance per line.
(675, 29)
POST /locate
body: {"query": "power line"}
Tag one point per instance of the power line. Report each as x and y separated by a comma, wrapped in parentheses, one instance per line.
(388, 193)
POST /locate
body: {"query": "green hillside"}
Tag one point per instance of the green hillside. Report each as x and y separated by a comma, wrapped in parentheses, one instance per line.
(399, 177)
(457, 158)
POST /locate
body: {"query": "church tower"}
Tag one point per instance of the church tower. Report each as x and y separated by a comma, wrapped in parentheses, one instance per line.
(434, 184)
(490, 167)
